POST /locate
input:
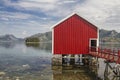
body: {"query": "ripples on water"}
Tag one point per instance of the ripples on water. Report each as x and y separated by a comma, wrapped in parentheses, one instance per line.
(19, 61)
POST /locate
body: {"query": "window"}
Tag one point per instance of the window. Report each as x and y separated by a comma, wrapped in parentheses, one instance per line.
(93, 43)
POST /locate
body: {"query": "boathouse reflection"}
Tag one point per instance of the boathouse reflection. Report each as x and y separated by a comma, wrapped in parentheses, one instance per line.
(64, 70)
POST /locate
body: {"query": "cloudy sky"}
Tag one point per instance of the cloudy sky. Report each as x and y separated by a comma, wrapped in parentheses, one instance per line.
(27, 17)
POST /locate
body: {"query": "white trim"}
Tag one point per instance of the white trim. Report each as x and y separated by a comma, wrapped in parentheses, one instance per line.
(69, 17)
(63, 20)
(98, 37)
(52, 41)
(96, 44)
(92, 39)
(56, 25)
(81, 58)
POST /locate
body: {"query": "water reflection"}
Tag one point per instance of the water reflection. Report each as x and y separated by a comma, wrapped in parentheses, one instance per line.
(7, 44)
(20, 62)
(110, 45)
(45, 46)
(76, 73)
(87, 69)
(33, 62)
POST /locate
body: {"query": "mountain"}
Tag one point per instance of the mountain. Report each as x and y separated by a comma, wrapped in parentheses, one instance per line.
(43, 37)
(109, 35)
(106, 33)
(105, 36)
(9, 38)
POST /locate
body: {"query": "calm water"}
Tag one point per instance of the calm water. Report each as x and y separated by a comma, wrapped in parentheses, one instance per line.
(19, 61)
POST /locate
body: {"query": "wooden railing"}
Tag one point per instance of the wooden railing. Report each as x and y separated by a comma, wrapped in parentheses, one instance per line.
(108, 54)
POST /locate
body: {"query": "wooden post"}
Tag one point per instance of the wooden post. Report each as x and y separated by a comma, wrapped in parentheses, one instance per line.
(119, 53)
(63, 58)
(72, 59)
(112, 56)
(118, 61)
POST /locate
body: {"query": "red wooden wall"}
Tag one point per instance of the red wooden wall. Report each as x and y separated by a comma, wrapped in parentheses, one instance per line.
(72, 36)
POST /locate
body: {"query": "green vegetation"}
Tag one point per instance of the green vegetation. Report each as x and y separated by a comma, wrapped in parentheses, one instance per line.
(32, 40)
(43, 37)
(32, 44)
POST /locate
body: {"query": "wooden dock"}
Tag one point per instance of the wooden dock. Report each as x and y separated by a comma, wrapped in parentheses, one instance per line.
(107, 54)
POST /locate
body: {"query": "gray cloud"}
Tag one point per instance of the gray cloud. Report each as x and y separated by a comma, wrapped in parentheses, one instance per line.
(102, 13)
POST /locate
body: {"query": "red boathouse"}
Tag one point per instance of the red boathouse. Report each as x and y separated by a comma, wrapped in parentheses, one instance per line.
(74, 35)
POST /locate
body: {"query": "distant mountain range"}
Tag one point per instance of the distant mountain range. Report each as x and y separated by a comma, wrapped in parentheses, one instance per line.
(9, 38)
(105, 36)
(109, 36)
(43, 37)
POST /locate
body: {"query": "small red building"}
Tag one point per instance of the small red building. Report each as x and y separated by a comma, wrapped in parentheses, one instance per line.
(74, 35)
